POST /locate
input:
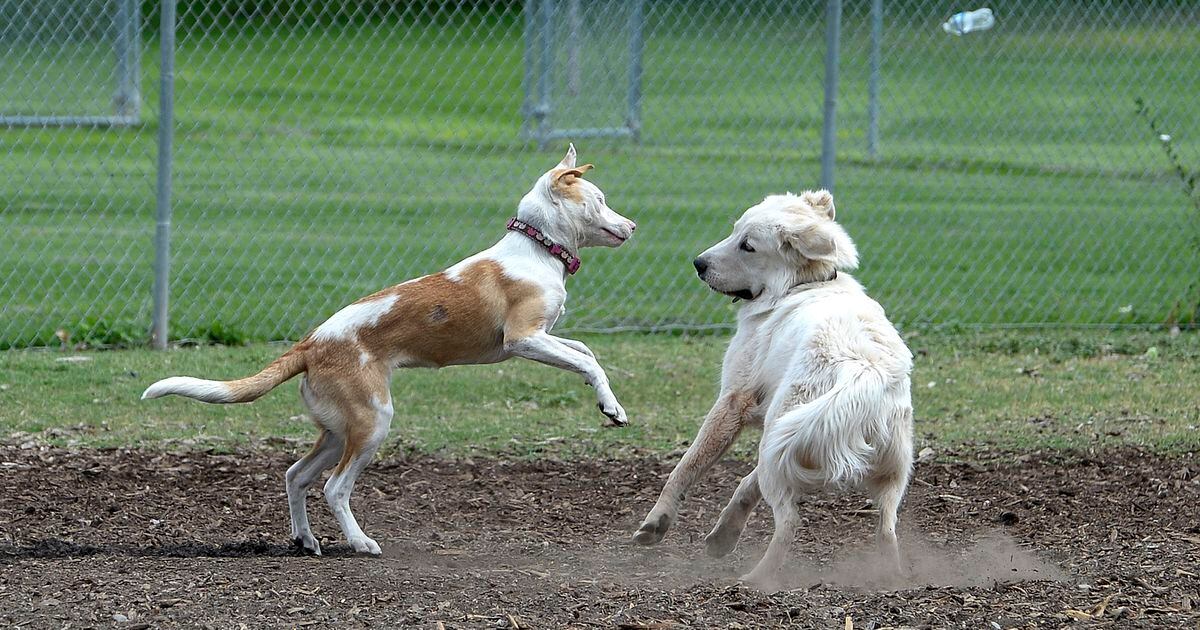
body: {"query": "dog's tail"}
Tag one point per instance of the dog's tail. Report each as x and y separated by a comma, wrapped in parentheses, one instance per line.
(241, 390)
(826, 439)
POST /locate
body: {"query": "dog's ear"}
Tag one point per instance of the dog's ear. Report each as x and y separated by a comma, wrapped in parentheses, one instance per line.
(821, 200)
(812, 241)
(822, 241)
(563, 179)
(568, 160)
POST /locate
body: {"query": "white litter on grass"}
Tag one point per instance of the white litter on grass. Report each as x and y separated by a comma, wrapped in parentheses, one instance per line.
(74, 359)
(965, 22)
(1165, 137)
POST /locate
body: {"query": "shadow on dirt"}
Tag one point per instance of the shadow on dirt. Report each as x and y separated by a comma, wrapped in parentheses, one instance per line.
(57, 548)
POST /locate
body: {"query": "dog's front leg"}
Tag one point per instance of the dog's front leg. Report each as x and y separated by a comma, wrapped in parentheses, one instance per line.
(724, 535)
(721, 427)
(577, 346)
(545, 348)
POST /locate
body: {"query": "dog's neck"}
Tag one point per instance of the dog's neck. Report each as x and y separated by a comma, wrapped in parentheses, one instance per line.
(560, 252)
(764, 305)
(806, 283)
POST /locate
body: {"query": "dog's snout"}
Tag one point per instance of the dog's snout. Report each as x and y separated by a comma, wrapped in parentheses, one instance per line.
(701, 266)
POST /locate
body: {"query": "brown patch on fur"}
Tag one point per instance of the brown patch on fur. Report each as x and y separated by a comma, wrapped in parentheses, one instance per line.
(438, 321)
(439, 315)
(434, 321)
(563, 182)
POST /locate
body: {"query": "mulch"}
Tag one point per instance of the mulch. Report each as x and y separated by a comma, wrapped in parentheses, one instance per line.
(138, 539)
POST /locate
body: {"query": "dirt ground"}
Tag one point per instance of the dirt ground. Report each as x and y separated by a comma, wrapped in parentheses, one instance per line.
(135, 539)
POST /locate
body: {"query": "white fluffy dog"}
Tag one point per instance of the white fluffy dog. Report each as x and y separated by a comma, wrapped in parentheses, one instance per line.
(817, 362)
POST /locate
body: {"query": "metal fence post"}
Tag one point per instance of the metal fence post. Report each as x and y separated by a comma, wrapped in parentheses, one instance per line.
(527, 79)
(574, 29)
(127, 101)
(637, 45)
(545, 76)
(833, 20)
(166, 128)
(873, 85)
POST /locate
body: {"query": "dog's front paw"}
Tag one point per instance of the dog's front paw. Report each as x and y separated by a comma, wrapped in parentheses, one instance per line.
(719, 542)
(616, 414)
(652, 530)
(366, 545)
(764, 581)
(308, 543)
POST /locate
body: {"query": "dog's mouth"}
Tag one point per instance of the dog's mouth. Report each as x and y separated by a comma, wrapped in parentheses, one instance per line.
(616, 237)
(741, 294)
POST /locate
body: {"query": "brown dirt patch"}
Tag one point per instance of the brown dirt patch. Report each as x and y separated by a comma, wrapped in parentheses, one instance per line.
(140, 539)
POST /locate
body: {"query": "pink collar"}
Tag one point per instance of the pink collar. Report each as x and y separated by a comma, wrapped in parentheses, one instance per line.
(569, 260)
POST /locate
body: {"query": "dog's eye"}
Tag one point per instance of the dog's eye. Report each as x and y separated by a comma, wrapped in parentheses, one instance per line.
(745, 246)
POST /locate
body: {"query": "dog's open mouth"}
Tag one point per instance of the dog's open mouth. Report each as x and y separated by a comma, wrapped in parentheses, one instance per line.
(740, 294)
(618, 237)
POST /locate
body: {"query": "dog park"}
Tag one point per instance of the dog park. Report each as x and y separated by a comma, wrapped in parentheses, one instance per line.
(369, 203)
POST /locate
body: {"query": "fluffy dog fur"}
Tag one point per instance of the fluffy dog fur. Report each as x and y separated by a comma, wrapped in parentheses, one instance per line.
(497, 304)
(815, 361)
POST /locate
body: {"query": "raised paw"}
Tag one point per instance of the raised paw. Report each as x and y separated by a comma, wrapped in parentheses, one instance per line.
(366, 545)
(616, 414)
(652, 530)
(308, 543)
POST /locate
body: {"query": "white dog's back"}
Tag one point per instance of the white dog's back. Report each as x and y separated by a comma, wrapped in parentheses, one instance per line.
(843, 398)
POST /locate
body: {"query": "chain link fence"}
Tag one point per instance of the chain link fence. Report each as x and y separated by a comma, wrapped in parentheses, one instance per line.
(325, 150)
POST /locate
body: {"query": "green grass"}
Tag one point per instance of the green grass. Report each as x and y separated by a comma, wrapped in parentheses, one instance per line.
(314, 165)
(1014, 390)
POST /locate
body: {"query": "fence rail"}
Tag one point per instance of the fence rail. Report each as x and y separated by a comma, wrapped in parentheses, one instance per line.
(325, 150)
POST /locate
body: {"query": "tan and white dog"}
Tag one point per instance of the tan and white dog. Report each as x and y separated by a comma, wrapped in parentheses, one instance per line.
(816, 362)
(497, 304)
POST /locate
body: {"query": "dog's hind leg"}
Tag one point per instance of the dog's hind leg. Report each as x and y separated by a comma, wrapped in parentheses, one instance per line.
(724, 536)
(301, 475)
(888, 497)
(888, 480)
(887, 489)
(367, 426)
(324, 454)
(787, 519)
(721, 427)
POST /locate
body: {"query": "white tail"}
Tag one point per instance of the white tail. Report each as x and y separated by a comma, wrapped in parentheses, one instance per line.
(198, 388)
(825, 439)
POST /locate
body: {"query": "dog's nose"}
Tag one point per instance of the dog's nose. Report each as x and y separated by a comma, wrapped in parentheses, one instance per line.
(700, 265)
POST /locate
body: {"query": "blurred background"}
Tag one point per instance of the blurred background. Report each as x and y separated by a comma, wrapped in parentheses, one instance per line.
(1032, 174)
